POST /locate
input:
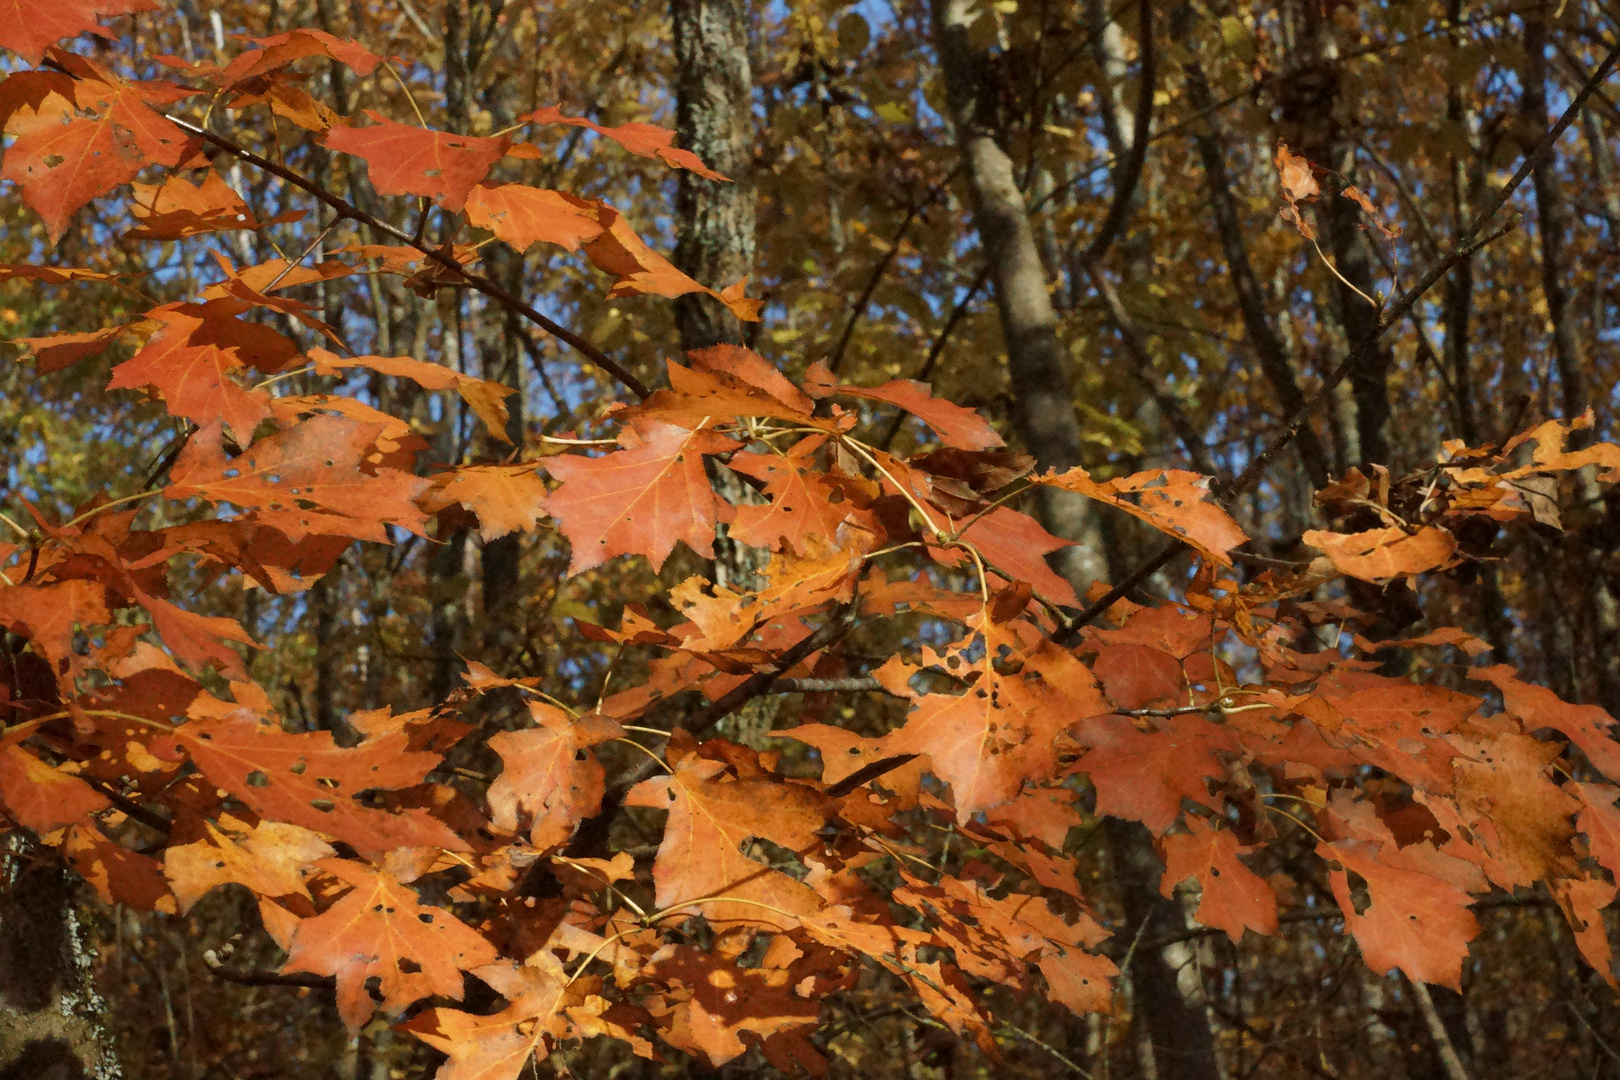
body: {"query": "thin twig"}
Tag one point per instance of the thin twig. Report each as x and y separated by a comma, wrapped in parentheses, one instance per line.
(1437, 1031)
(482, 284)
(1129, 173)
(858, 310)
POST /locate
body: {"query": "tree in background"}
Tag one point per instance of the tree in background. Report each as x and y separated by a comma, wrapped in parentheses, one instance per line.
(424, 600)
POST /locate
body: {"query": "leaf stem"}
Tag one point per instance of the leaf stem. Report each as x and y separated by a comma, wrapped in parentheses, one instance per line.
(93, 511)
(859, 448)
(659, 916)
(582, 868)
(631, 742)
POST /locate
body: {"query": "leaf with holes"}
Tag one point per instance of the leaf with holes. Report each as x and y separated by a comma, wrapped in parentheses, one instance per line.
(29, 27)
(1001, 732)
(1232, 897)
(317, 462)
(381, 929)
(308, 780)
(1412, 921)
(61, 159)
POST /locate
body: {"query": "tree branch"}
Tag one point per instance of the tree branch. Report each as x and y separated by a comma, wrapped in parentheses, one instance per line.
(761, 681)
(345, 209)
(1129, 173)
(858, 310)
(1470, 243)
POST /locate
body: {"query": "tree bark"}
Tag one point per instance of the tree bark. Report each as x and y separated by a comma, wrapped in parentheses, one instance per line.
(1312, 111)
(1043, 399)
(1167, 992)
(51, 1018)
(1043, 412)
(713, 119)
(1268, 347)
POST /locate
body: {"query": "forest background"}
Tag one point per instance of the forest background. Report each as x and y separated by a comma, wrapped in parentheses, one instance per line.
(1263, 242)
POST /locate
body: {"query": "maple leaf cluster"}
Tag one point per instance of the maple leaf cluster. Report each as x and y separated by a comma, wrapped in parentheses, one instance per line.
(137, 745)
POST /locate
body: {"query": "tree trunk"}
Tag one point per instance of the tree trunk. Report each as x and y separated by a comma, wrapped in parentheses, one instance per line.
(1043, 401)
(1043, 411)
(714, 119)
(1312, 109)
(1167, 990)
(51, 1018)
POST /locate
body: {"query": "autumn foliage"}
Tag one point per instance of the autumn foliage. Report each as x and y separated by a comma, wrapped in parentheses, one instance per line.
(136, 746)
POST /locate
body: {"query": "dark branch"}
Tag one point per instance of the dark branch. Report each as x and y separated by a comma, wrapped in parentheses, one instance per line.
(345, 209)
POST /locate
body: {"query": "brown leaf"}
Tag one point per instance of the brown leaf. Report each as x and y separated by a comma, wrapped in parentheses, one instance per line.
(1144, 776)
(710, 817)
(1232, 897)
(380, 929)
(1414, 922)
(1383, 555)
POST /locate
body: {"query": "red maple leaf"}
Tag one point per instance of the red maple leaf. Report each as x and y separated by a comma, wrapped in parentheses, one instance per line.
(699, 862)
(380, 929)
(801, 499)
(307, 779)
(1413, 921)
(1232, 897)
(549, 774)
(407, 160)
(197, 381)
(1017, 545)
(643, 140)
(61, 159)
(639, 500)
(1002, 730)
(523, 216)
(29, 27)
(955, 425)
(1173, 501)
(320, 461)
(1144, 776)
(43, 798)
